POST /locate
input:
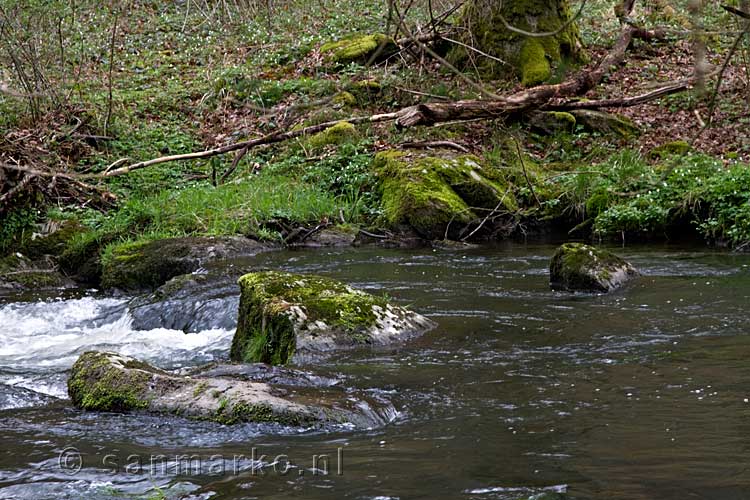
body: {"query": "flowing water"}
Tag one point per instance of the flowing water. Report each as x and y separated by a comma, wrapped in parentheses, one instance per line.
(640, 394)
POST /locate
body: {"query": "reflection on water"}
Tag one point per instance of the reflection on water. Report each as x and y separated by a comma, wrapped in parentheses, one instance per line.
(636, 395)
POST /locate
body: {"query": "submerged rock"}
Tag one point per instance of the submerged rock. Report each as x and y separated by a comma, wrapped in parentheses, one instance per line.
(439, 196)
(101, 381)
(261, 372)
(148, 265)
(12, 397)
(360, 49)
(191, 302)
(288, 317)
(579, 267)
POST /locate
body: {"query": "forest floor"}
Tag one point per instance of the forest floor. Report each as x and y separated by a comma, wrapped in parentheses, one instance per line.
(163, 79)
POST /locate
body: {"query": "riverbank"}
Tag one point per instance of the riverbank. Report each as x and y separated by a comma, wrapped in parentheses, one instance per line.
(176, 88)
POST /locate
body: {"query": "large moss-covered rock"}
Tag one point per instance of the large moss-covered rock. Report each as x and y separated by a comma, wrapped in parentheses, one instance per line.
(101, 381)
(148, 265)
(532, 59)
(579, 267)
(359, 49)
(439, 196)
(288, 317)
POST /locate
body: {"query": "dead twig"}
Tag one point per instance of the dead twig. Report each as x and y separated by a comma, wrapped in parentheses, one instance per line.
(435, 144)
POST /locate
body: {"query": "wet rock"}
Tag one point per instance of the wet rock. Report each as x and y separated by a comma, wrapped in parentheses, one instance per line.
(328, 238)
(148, 265)
(359, 49)
(12, 397)
(438, 197)
(261, 372)
(579, 267)
(286, 317)
(101, 381)
(190, 302)
(606, 123)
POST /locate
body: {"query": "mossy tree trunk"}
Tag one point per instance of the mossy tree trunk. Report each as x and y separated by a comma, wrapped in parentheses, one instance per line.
(533, 59)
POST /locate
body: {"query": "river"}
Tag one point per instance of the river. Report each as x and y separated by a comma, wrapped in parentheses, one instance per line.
(640, 394)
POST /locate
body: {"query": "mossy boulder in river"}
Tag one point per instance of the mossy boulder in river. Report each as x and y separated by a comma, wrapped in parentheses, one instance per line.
(101, 381)
(297, 318)
(579, 267)
(148, 265)
(439, 196)
(360, 49)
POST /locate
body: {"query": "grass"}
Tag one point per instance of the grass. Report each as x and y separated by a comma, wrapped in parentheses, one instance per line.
(235, 208)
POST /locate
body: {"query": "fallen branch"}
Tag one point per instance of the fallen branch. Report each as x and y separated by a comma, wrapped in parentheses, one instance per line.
(435, 144)
(626, 102)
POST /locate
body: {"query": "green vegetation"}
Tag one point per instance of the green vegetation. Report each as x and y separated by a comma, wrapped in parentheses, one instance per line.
(627, 197)
(187, 80)
(95, 384)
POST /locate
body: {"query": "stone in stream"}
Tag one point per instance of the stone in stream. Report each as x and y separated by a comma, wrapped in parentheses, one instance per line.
(576, 267)
(102, 381)
(286, 317)
(148, 265)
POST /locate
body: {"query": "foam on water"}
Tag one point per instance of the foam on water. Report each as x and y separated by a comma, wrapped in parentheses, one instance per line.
(41, 339)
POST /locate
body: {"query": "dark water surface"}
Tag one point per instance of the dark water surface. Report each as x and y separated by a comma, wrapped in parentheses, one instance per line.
(640, 394)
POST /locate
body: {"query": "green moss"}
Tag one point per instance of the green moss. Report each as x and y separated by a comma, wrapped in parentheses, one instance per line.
(271, 300)
(344, 99)
(34, 279)
(340, 133)
(674, 148)
(535, 68)
(13, 262)
(576, 266)
(553, 122)
(598, 203)
(531, 59)
(145, 264)
(359, 49)
(365, 90)
(230, 414)
(606, 123)
(433, 195)
(53, 244)
(96, 385)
